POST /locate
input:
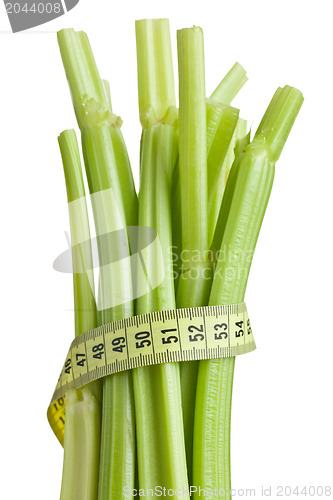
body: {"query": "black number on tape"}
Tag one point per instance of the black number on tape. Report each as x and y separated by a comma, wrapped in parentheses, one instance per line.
(240, 332)
(197, 336)
(143, 336)
(68, 366)
(171, 338)
(98, 350)
(223, 334)
(80, 359)
(119, 344)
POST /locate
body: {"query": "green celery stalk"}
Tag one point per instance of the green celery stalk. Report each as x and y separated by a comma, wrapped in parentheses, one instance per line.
(211, 449)
(193, 283)
(218, 163)
(282, 97)
(118, 425)
(225, 93)
(192, 165)
(279, 119)
(92, 105)
(240, 149)
(176, 226)
(222, 134)
(160, 432)
(156, 84)
(107, 92)
(269, 109)
(217, 197)
(231, 84)
(214, 111)
(83, 406)
(206, 130)
(114, 205)
(219, 145)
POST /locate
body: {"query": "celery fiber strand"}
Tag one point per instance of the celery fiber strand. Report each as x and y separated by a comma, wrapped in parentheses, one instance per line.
(83, 408)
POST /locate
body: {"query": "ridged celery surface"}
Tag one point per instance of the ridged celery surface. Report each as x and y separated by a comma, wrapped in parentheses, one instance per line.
(223, 129)
(92, 105)
(216, 195)
(156, 86)
(206, 131)
(211, 449)
(231, 84)
(114, 204)
(224, 94)
(238, 153)
(160, 433)
(83, 406)
(115, 289)
(193, 284)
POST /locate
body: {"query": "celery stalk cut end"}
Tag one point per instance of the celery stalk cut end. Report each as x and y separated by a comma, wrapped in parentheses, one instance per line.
(278, 120)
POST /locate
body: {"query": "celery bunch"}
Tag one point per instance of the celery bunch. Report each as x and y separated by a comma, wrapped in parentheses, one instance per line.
(204, 188)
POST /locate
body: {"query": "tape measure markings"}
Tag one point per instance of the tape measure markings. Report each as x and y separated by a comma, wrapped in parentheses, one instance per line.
(165, 336)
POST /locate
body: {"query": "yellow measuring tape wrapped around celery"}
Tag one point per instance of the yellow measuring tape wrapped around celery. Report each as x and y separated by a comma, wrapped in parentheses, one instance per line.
(159, 337)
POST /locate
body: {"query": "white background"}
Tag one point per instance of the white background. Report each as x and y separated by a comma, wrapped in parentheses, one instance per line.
(282, 406)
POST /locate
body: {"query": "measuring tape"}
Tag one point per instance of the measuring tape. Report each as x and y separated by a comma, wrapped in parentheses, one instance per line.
(160, 337)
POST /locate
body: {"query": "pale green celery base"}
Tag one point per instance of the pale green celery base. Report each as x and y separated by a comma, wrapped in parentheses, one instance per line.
(81, 446)
(118, 437)
(192, 291)
(161, 453)
(117, 463)
(118, 445)
(214, 390)
(188, 376)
